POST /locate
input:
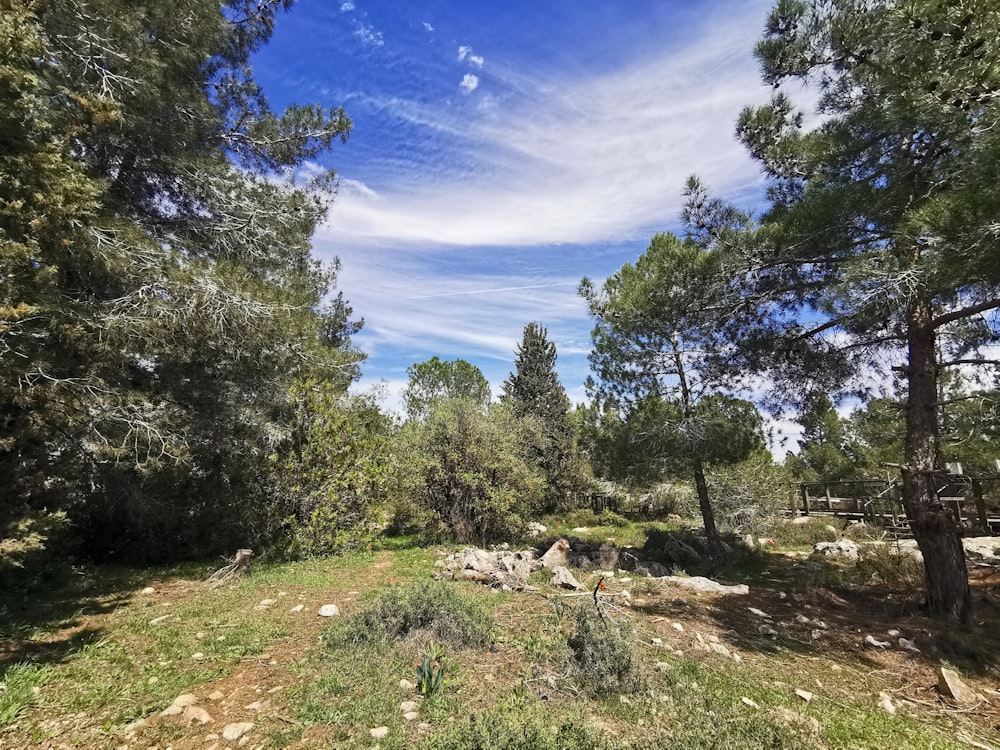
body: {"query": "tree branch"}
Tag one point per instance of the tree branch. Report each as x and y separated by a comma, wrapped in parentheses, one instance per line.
(965, 312)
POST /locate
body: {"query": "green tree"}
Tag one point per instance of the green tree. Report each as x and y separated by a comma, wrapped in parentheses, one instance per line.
(664, 385)
(436, 380)
(159, 294)
(471, 469)
(821, 454)
(878, 248)
(533, 390)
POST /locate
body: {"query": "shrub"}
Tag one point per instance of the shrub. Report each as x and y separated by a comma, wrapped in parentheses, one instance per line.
(471, 470)
(884, 563)
(29, 547)
(518, 723)
(603, 654)
(431, 609)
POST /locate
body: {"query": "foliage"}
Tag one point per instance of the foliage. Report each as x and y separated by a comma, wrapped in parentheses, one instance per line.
(821, 455)
(603, 654)
(439, 380)
(432, 609)
(430, 672)
(159, 294)
(750, 494)
(331, 474)
(517, 723)
(19, 681)
(30, 548)
(534, 390)
(877, 246)
(471, 470)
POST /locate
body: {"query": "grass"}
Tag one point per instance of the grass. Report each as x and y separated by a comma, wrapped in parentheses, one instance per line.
(510, 665)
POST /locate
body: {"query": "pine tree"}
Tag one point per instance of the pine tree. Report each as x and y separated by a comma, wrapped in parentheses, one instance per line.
(533, 391)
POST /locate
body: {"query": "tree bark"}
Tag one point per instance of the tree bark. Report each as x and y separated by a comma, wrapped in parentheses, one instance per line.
(707, 512)
(938, 534)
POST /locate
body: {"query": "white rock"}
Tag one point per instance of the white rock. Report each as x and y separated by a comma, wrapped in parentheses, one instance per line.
(265, 603)
(873, 641)
(657, 642)
(802, 620)
(581, 530)
(562, 578)
(678, 627)
(700, 583)
(233, 732)
(407, 685)
(815, 634)
(801, 520)
(749, 702)
(804, 695)
(148, 590)
(407, 706)
(767, 630)
(759, 613)
(297, 608)
(196, 713)
(893, 633)
(216, 696)
(158, 620)
(885, 703)
(378, 732)
(820, 624)
(255, 706)
(198, 656)
(329, 610)
(411, 715)
(951, 686)
(909, 645)
(845, 550)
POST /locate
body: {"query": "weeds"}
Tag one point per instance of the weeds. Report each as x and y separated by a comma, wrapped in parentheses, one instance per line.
(430, 673)
(20, 685)
(434, 609)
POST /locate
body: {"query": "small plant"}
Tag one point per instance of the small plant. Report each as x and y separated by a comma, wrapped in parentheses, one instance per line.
(604, 658)
(430, 673)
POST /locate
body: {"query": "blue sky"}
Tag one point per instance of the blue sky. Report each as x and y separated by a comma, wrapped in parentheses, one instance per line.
(503, 150)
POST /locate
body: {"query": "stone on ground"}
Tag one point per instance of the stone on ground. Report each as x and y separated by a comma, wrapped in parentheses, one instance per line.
(951, 686)
(562, 578)
(233, 732)
(328, 610)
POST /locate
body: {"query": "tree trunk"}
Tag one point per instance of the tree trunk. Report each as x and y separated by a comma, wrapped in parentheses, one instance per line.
(937, 532)
(707, 513)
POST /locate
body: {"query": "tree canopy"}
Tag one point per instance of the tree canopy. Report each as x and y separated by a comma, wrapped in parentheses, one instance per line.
(155, 233)
(435, 380)
(878, 248)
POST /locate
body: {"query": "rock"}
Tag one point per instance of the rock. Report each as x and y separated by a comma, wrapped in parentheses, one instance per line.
(893, 633)
(195, 713)
(821, 625)
(233, 732)
(328, 610)
(802, 619)
(297, 608)
(748, 702)
(181, 702)
(407, 706)
(198, 656)
(148, 590)
(951, 686)
(658, 642)
(581, 530)
(801, 520)
(796, 720)
(255, 706)
(216, 696)
(857, 530)
(651, 569)
(873, 641)
(759, 613)
(719, 649)
(804, 695)
(983, 549)
(407, 685)
(378, 732)
(909, 645)
(557, 555)
(536, 529)
(265, 603)
(700, 583)
(158, 620)
(815, 634)
(608, 556)
(562, 578)
(844, 550)
(678, 627)
(885, 703)
(767, 630)
(830, 529)
(411, 716)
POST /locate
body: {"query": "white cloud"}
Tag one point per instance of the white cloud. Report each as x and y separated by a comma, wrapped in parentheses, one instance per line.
(428, 26)
(463, 52)
(369, 35)
(346, 7)
(476, 60)
(576, 161)
(469, 83)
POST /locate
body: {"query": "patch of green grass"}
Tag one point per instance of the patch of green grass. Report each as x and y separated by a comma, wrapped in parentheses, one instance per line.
(20, 685)
(436, 610)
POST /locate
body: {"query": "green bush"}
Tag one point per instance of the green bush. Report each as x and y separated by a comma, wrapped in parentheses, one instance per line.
(30, 548)
(471, 471)
(518, 723)
(603, 654)
(431, 609)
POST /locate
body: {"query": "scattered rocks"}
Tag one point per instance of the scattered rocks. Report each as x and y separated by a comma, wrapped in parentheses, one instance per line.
(378, 732)
(196, 713)
(843, 550)
(499, 566)
(181, 702)
(233, 732)
(874, 642)
(951, 686)
(562, 578)
(700, 583)
(557, 555)
(328, 610)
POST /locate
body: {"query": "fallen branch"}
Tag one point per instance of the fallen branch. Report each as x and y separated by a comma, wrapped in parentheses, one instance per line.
(232, 571)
